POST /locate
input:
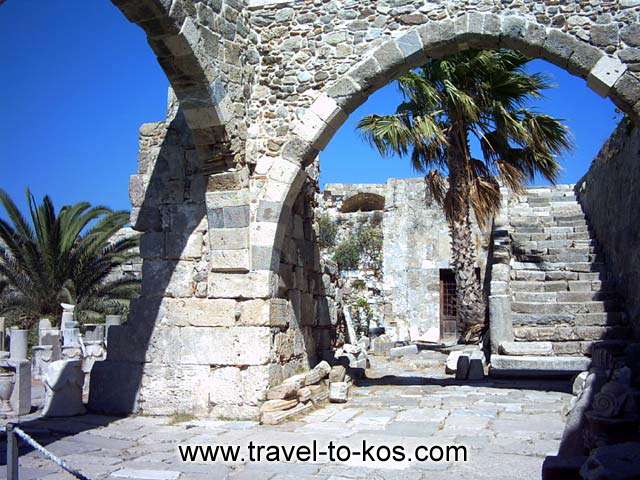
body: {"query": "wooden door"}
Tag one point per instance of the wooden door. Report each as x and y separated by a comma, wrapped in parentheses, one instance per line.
(448, 321)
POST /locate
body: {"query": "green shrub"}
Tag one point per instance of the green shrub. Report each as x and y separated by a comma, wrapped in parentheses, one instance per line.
(327, 231)
(347, 254)
(363, 314)
(370, 239)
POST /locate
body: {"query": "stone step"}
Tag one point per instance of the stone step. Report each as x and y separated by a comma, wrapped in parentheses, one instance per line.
(526, 348)
(561, 286)
(581, 319)
(563, 296)
(565, 307)
(565, 257)
(564, 333)
(577, 267)
(537, 365)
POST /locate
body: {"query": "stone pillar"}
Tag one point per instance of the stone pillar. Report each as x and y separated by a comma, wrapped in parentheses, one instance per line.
(111, 321)
(2, 334)
(69, 326)
(500, 321)
(21, 396)
(19, 344)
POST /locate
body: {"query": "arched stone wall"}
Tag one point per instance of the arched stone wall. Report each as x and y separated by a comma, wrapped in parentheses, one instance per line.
(329, 108)
(262, 86)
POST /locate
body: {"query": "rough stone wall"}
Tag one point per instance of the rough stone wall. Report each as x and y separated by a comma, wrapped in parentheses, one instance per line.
(261, 88)
(363, 282)
(405, 296)
(133, 267)
(610, 194)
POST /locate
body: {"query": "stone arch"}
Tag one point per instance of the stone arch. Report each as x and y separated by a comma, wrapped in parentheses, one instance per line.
(186, 39)
(362, 202)
(606, 75)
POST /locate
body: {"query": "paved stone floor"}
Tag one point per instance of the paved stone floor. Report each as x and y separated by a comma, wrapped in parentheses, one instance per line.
(508, 428)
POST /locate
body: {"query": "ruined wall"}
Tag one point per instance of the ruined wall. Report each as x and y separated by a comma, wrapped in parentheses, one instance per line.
(416, 247)
(610, 195)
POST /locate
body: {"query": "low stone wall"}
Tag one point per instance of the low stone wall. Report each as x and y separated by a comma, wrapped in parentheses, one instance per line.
(610, 194)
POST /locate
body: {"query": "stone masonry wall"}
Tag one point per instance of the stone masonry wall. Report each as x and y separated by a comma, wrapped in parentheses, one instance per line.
(610, 194)
(260, 89)
(416, 247)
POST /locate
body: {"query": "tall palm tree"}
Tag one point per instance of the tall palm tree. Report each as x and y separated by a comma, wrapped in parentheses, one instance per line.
(61, 257)
(477, 93)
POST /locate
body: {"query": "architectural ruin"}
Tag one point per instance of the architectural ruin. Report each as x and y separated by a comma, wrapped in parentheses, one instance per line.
(234, 297)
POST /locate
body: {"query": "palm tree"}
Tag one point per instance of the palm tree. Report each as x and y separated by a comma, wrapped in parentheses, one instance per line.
(64, 257)
(448, 101)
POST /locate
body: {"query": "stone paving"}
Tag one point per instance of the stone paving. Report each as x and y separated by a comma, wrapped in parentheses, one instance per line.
(508, 428)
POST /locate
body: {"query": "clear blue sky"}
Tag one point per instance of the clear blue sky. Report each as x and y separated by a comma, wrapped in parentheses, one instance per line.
(77, 80)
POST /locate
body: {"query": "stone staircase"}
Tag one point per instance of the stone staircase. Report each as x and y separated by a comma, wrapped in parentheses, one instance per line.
(562, 301)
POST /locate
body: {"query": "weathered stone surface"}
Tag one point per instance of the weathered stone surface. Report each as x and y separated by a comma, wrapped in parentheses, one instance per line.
(397, 352)
(338, 392)
(337, 373)
(462, 368)
(282, 391)
(526, 348)
(278, 405)
(512, 365)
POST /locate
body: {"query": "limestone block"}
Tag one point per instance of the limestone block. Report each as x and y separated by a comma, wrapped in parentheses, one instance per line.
(319, 393)
(438, 38)
(328, 110)
(558, 47)
(284, 390)
(338, 392)
(259, 284)
(526, 348)
(198, 312)
(229, 238)
(411, 47)
(298, 381)
(398, 352)
(229, 260)
(605, 74)
(500, 321)
(451, 365)
(337, 373)
(278, 405)
(168, 278)
(510, 365)
(20, 399)
(233, 385)
(18, 344)
(274, 418)
(63, 383)
(211, 346)
(318, 373)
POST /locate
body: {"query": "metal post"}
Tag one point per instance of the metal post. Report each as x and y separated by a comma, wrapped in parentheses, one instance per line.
(12, 453)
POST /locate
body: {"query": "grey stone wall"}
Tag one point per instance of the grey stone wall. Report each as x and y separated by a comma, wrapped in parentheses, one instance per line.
(416, 247)
(260, 88)
(610, 195)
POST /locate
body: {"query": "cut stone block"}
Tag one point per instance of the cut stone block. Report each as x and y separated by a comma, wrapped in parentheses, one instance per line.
(274, 418)
(605, 74)
(452, 362)
(526, 348)
(537, 366)
(338, 392)
(278, 405)
(337, 373)
(398, 352)
(282, 391)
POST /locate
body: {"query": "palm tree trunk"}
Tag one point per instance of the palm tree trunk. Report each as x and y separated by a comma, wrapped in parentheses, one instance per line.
(469, 297)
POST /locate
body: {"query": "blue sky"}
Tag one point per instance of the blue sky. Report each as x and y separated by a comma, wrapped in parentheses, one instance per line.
(77, 80)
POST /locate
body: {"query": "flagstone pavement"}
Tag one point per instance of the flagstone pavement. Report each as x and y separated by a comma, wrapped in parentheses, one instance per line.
(507, 427)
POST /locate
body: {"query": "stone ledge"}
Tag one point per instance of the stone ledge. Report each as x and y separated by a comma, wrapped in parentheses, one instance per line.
(536, 366)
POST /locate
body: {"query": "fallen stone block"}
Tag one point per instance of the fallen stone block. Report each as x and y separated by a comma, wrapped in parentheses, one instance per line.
(274, 418)
(304, 394)
(338, 392)
(296, 381)
(452, 362)
(397, 352)
(318, 373)
(337, 373)
(282, 391)
(319, 393)
(278, 405)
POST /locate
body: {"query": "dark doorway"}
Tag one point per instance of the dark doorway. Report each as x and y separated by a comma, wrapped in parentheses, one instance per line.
(448, 321)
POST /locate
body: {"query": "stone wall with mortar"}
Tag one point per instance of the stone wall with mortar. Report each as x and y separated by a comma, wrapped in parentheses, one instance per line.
(260, 89)
(610, 194)
(363, 282)
(405, 295)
